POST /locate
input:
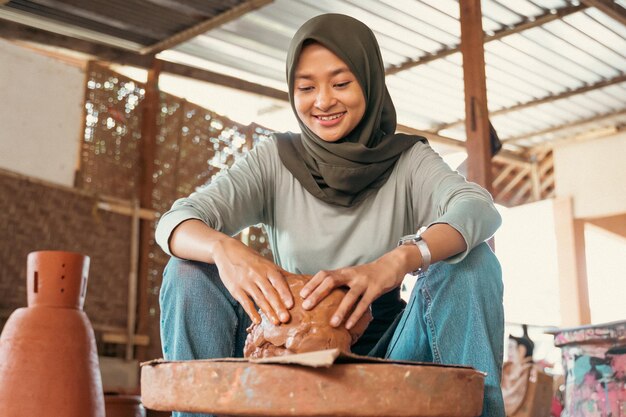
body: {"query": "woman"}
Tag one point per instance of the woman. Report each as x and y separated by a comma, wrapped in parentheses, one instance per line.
(334, 201)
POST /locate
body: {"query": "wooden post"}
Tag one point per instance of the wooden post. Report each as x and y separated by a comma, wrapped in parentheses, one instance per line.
(151, 106)
(572, 265)
(476, 113)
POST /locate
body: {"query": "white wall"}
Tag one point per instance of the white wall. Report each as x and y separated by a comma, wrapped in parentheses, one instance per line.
(526, 248)
(594, 174)
(40, 114)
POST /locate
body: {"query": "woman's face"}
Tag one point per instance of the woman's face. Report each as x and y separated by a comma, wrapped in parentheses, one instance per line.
(327, 96)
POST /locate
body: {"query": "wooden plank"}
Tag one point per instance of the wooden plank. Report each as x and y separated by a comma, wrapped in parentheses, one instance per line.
(502, 175)
(122, 339)
(151, 109)
(611, 8)
(535, 180)
(504, 156)
(224, 80)
(231, 14)
(572, 266)
(557, 128)
(476, 113)
(132, 282)
(550, 98)
(516, 180)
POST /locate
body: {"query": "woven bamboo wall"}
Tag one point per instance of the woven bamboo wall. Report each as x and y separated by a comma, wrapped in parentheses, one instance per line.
(193, 145)
(38, 216)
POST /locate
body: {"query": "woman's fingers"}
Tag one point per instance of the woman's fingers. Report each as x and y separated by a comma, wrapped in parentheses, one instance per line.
(351, 297)
(310, 286)
(360, 309)
(320, 292)
(271, 295)
(262, 303)
(248, 307)
(278, 281)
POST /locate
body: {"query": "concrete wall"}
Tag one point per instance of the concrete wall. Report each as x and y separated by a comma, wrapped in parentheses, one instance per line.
(594, 174)
(40, 114)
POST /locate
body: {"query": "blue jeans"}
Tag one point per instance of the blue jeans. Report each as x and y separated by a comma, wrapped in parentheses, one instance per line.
(454, 316)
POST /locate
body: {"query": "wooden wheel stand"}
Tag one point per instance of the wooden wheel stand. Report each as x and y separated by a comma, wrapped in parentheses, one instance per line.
(337, 385)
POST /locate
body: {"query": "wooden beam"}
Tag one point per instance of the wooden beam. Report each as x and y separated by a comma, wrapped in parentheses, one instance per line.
(547, 99)
(151, 108)
(572, 266)
(476, 113)
(535, 180)
(524, 25)
(503, 175)
(16, 31)
(503, 156)
(611, 8)
(63, 29)
(219, 20)
(516, 179)
(224, 80)
(565, 126)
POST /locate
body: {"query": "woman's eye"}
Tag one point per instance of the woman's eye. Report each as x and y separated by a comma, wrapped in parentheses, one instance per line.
(305, 88)
(343, 84)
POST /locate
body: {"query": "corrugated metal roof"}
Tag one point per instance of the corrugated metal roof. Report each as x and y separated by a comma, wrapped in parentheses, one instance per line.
(562, 55)
(131, 24)
(549, 63)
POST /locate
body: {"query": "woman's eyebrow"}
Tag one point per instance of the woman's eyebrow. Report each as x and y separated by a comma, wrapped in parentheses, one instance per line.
(332, 73)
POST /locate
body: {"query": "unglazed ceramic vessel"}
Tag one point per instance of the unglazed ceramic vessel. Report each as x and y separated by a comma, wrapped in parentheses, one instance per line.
(48, 356)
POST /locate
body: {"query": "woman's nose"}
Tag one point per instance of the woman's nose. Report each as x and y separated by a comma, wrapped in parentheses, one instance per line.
(325, 99)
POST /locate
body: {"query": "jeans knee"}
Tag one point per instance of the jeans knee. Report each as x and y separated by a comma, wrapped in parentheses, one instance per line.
(184, 280)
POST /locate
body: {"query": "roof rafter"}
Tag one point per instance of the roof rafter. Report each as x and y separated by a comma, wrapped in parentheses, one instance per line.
(526, 24)
(610, 8)
(547, 99)
(185, 35)
(565, 126)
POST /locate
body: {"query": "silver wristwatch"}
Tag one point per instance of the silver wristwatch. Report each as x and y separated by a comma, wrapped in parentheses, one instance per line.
(417, 240)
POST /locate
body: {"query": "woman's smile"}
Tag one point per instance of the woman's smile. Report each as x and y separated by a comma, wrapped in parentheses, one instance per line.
(330, 119)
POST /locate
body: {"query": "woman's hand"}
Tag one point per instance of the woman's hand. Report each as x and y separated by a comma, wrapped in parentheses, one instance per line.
(248, 276)
(366, 283)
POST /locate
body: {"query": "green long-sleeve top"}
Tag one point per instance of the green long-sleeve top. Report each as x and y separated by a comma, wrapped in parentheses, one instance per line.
(307, 235)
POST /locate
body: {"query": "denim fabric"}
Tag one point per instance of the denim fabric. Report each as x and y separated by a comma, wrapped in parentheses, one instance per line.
(199, 317)
(454, 316)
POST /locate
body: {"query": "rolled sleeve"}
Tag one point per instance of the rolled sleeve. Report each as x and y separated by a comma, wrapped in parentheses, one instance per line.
(441, 195)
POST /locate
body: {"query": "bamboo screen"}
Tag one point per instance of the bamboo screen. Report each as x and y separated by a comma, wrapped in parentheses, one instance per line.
(193, 145)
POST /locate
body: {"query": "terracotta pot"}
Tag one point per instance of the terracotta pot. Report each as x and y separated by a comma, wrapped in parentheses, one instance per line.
(124, 406)
(48, 356)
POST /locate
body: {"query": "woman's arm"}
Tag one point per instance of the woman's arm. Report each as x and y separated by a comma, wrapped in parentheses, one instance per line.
(245, 273)
(369, 281)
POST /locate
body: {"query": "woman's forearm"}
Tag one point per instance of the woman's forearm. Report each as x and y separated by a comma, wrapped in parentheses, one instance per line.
(194, 240)
(443, 242)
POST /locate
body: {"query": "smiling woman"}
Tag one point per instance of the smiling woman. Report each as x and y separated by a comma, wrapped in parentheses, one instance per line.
(335, 200)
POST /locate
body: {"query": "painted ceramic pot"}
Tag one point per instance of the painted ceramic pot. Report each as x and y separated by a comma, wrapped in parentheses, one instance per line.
(594, 360)
(48, 357)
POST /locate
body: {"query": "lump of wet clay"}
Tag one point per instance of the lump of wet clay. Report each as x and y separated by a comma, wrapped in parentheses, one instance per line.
(307, 330)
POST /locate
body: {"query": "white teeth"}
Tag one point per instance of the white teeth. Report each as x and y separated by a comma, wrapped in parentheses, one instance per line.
(333, 117)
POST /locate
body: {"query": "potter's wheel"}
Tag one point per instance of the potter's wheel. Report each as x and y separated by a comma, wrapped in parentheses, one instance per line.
(242, 388)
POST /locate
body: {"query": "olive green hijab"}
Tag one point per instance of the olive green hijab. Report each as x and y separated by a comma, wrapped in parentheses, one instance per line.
(344, 172)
